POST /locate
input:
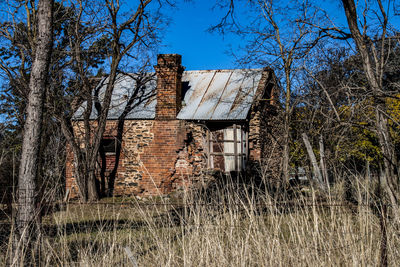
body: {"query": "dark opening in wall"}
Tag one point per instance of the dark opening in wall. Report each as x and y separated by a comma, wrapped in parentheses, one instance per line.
(109, 145)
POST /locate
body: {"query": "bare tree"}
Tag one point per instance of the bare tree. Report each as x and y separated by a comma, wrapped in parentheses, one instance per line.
(280, 36)
(136, 97)
(91, 38)
(374, 57)
(32, 131)
(374, 38)
(140, 30)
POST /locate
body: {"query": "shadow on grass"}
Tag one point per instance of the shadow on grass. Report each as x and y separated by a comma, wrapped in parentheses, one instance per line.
(90, 228)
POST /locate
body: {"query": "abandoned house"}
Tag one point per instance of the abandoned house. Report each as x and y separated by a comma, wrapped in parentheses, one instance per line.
(181, 124)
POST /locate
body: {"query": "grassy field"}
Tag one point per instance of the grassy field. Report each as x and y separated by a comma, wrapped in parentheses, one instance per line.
(236, 228)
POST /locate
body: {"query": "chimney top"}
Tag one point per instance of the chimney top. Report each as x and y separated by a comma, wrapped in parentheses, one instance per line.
(169, 60)
(169, 85)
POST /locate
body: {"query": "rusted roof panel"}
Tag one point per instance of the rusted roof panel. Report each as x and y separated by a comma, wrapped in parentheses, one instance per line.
(198, 83)
(210, 95)
(224, 94)
(207, 104)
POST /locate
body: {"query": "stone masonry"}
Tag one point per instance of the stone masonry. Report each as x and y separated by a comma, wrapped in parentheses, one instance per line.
(165, 154)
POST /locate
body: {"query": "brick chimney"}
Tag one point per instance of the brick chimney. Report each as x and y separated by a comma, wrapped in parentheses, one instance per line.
(169, 86)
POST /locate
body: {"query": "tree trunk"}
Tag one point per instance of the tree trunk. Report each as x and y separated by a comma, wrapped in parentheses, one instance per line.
(92, 184)
(322, 161)
(27, 214)
(286, 134)
(389, 159)
(93, 194)
(286, 152)
(372, 65)
(313, 159)
(81, 172)
(103, 160)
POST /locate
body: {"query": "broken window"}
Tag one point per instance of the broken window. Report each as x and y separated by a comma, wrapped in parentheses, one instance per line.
(227, 149)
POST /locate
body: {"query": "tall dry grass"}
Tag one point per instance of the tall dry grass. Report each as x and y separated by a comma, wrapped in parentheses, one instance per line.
(233, 225)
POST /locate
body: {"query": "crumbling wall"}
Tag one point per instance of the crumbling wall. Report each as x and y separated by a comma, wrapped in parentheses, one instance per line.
(157, 157)
(161, 156)
(192, 157)
(173, 159)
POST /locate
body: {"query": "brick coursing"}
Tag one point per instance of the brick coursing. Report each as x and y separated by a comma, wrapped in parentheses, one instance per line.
(157, 157)
(165, 154)
(169, 86)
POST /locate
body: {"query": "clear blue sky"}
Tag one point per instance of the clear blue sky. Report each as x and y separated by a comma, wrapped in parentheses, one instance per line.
(187, 35)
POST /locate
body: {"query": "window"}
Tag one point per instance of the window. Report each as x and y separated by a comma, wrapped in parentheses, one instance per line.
(109, 145)
(227, 149)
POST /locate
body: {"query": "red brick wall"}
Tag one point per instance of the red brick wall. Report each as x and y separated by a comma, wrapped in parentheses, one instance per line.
(157, 155)
(160, 157)
(69, 173)
(169, 86)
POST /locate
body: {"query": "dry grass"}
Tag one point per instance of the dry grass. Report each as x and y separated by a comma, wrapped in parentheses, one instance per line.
(230, 229)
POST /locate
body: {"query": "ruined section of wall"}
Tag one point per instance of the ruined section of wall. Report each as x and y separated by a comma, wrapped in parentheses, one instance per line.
(191, 160)
(160, 156)
(157, 157)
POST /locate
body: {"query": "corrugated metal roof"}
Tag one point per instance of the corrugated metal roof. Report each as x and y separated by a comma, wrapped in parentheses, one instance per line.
(143, 105)
(209, 95)
(219, 94)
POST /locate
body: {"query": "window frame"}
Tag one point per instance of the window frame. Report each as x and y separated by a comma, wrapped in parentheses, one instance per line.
(240, 147)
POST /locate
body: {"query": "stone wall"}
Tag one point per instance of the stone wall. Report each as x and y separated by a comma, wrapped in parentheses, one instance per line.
(161, 156)
(265, 133)
(165, 154)
(136, 138)
(157, 157)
